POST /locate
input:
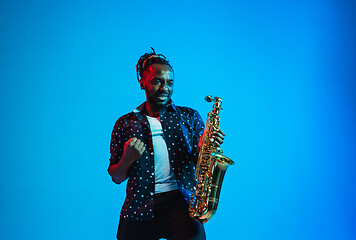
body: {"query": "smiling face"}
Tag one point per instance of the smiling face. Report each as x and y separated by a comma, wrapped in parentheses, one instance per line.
(157, 81)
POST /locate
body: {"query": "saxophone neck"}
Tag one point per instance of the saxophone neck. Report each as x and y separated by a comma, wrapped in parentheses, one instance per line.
(217, 105)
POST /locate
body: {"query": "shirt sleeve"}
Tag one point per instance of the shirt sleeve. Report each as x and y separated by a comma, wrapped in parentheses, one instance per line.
(117, 143)
(198, 130)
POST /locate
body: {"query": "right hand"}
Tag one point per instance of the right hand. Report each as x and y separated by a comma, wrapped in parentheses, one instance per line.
(133, 149)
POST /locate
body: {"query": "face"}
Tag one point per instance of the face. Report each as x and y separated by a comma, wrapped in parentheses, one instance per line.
(158, 82)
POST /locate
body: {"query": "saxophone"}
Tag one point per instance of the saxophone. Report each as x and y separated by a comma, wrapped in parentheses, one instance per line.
(210, 169)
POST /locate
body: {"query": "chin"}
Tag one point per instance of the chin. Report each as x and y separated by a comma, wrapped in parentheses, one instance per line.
(163, 103)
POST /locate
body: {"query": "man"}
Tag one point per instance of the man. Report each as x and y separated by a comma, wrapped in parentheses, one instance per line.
(155, 147)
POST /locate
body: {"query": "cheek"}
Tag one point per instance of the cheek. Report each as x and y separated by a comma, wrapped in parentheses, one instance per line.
(150, 89)
(146, 86)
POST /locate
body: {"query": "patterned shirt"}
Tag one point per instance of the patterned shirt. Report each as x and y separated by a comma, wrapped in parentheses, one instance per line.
(182, 127)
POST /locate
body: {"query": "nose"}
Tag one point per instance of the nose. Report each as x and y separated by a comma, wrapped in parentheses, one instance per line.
(164, 87)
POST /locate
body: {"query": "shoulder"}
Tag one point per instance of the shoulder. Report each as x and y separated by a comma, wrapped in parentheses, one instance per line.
(125, 119)
(192, 118)
(188, 112)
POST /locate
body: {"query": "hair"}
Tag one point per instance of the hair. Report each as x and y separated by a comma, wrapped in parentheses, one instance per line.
(147, 60)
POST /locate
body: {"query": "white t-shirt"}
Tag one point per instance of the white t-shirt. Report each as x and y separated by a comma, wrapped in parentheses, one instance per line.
(164, 177)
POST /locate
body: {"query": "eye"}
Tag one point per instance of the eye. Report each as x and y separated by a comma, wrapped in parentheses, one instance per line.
(170, 83)
(155, 81)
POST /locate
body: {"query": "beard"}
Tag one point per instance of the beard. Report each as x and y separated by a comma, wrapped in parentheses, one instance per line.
(160, 99)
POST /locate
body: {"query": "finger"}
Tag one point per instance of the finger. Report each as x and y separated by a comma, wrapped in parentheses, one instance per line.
(129, 142)
(215, 142)
(142, 150)
(133, 141)
(140, 145)
(219, 130)
(137, 142)
(219, 135)
(219, 140)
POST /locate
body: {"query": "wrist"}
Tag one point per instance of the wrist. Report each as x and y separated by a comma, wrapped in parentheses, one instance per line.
(126, 161)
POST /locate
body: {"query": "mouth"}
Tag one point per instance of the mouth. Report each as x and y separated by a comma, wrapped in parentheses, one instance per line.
(162, 97)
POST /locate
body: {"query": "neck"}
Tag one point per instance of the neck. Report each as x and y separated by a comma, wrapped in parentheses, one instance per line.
(152, 110)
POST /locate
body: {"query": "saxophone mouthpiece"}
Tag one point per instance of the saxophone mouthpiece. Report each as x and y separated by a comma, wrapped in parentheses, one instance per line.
(209, 98)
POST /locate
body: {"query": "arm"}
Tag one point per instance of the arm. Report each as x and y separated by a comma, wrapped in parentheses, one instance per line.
(133, 149)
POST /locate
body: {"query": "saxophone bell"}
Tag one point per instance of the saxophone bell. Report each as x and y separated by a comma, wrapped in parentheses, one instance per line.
(222, 159)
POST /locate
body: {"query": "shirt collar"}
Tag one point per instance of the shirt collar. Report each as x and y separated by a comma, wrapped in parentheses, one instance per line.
(140, 108)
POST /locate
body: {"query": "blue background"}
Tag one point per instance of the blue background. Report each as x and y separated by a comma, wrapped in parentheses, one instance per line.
(284, 69)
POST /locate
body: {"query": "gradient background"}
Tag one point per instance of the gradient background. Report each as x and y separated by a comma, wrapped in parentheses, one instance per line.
(284, 69)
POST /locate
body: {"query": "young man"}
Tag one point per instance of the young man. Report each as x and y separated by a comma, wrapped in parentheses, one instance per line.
(155, 147)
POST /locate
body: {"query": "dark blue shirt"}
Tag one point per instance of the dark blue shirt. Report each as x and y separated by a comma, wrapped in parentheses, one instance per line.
(182, 127)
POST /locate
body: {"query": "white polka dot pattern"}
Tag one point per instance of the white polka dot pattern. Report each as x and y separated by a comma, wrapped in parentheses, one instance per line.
(182, 127)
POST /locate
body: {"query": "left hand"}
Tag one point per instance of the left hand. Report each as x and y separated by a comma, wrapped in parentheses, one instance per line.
(218, 137)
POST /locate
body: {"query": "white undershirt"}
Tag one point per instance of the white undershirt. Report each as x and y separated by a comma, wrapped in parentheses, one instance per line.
(164, 177)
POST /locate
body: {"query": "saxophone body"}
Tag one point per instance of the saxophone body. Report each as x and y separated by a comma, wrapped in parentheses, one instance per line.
(210, 169)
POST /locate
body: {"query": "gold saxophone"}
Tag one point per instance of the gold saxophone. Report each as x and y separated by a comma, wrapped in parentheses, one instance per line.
(210, 169)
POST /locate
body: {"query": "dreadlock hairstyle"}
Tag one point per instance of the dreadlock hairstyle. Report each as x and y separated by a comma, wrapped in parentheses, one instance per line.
(147, 60)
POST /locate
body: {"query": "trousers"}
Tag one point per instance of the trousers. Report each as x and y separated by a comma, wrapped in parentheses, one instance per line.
(171, 221)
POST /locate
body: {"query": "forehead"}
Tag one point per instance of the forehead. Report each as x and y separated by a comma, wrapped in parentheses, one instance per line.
(159, 70)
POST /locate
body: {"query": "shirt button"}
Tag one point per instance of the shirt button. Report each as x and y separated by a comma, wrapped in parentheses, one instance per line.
(151, 193)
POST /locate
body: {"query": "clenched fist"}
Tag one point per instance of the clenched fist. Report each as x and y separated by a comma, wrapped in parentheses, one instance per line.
(133, 149)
